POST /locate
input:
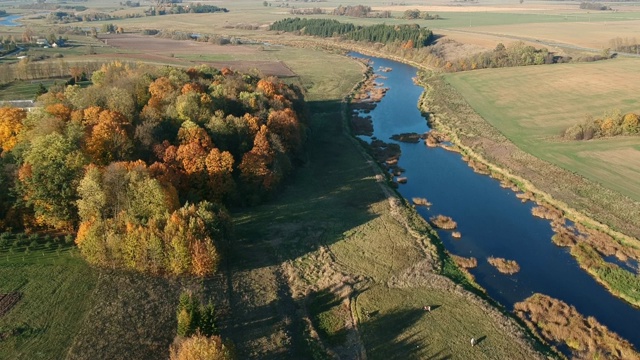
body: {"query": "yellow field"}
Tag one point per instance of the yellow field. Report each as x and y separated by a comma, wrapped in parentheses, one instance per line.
(532, 105)
(594, 34)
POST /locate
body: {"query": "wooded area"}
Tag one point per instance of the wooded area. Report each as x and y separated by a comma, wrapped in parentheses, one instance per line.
(410, 36)
(143, 163)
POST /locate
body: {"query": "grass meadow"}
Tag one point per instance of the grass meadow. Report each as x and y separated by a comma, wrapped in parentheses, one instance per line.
(57, 291)
(532, 105)
(22, 90)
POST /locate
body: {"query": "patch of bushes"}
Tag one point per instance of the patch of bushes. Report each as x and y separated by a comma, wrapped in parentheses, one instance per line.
(504, 266)
(195, 317)
(613, 123)
(561, 324)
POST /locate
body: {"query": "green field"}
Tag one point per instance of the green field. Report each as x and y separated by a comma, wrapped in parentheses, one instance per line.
(532, 106)
(24, 90)
(52, 280)
(70, 310)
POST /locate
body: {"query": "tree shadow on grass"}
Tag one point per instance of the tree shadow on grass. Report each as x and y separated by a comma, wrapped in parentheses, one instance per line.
(330, 194)
(381, 336)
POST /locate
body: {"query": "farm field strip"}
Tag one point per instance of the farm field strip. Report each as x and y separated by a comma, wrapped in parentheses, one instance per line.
(533, 105)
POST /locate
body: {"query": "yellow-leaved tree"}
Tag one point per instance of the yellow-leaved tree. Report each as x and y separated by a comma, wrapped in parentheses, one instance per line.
(10, 125)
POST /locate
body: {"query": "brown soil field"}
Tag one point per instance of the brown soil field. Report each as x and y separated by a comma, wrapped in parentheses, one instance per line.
(158, 49)
(8, 301)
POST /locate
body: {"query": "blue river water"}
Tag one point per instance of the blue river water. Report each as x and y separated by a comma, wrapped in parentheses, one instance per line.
(10, 20)
(493, 222)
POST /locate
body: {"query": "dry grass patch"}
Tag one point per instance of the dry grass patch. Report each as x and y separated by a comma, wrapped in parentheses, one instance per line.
(561, 324)
(590, 34)
(443, 222)
(505, 266)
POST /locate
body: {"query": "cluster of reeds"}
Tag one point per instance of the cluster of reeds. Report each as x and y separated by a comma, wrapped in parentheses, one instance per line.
(433, 138)
(503, 265)
(362, 125)
(548, 212)
(561, 324)
(443, 222)
(464, 262)
(408, 137)
(479, 167)
(526, 196)
(421, 201)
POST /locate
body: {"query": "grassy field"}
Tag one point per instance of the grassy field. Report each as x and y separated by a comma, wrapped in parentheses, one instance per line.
(52, 281)
(532, 105)
(23, 90)
(70, 310)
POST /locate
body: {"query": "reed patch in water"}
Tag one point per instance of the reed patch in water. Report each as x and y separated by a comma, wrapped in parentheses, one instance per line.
(408, 137)
(546, 211)
(505, 266)
(361, 125)
(465, 262)
(526, 196)
(479, 167)
(561, 324)
(421, 201)
(443, 222)
(433, 138)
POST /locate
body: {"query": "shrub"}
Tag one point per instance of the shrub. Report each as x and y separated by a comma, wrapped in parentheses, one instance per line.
(195, 317)
(201, 347)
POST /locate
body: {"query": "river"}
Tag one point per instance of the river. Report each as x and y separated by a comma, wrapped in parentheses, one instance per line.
(10, 20)
(493, 222)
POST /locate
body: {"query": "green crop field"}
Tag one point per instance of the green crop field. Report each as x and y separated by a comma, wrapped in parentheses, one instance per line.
(533, 105)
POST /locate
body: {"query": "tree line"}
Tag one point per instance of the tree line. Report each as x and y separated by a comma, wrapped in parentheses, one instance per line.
(143, 163)
(414, 14)
(411, 36)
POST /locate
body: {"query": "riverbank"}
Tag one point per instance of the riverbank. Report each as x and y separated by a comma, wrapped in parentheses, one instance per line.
(480, 142)
(437, 271)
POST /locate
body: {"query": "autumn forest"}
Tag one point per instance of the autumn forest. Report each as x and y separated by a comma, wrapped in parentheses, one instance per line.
(144, 163)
